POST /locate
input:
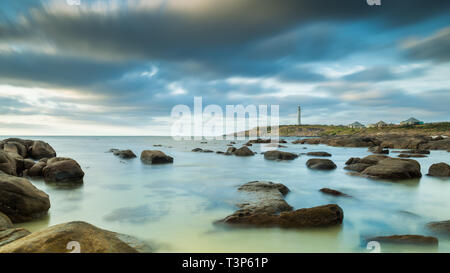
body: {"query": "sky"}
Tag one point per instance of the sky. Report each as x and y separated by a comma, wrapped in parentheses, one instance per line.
(119, 67)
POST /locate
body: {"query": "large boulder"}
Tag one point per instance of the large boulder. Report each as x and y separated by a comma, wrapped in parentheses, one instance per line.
(155, 157)
(7, 163)
(14, 147)
(357, 167)
(322, 216)
(318, 154)
(320, 164)
(439, 169)
(41, 149)
(243, 151)
(442, 227)
(20, 200)
(10, 235)
(5, 222)
(64, 238)
(443, 144)
(62, 170)
(36, 170)
(279, 155)
(394, 168)
(406, 239)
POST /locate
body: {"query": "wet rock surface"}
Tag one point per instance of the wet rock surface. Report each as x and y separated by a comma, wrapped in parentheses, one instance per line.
(279, 155)
(124, 154)
(320, 164)
(62, 170)
(442, 227)
(333, 192)
(155, 157)
(318, 154)
(439, 169)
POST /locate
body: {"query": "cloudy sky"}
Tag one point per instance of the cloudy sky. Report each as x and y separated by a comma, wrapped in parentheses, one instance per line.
(118, 67)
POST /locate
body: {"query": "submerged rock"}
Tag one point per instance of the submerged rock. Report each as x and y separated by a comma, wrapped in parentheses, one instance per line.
(406, 239)
(20, 200)
(197, 150)
(243, 151)
(91, 239)
(411, 155)
(318, 154)
(378, 150)
(155, 157)
(320, 164)
(439, 169)
(413, 152)
(279, 155)
(124, 154)
(442, 227)
(333, 192)
(62, 170)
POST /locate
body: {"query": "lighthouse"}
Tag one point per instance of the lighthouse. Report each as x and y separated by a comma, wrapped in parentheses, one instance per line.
(299, 116)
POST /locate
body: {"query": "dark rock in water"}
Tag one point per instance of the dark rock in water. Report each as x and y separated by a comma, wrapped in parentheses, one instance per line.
(155, 157)
(231, 150)
(411, 155)
(91, 239)
(232, 142)
(7, 163)
(10, 235)
(358, 167)
(259, 140)
(352, 160)
(275, 145)
(204, 142)
(322, 216)
(318, 154)
(443, 144)
(219, 152)
(333, 192)
(5, 222)
(440, 227)
(63, 170)
(372, 159)
(157, 145)
(124, 154)
(20, 200)
(41, 149)
(406, 239)
(378, 150)
(394, 168)
(279, 155)
(320, 164)
(424, 152)
(248, 144)
(36, 170)
(243, 151)
(439, 169)
(197, 150)
(208, 151)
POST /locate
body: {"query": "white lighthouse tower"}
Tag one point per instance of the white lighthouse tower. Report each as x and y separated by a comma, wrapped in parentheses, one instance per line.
(299, 116)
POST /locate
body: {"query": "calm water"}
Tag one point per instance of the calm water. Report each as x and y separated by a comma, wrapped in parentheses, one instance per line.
(173, 206)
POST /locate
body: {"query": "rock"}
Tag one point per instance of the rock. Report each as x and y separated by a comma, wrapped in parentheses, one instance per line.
(279, 155)
(20, 200)
(124, 154)
(36, 170)
(7, 163)
(264, 196)
(155, 157)
(410, 155)
(358, 167)
(349, 141)
(28, 163)
(91, 239)
(41, 149)
(208, 151)
(248, 144)
(413, 152)
(15, 148)
(406, 239)
(274, 145)
(402, 141)
(243, 151)
(10, 235)
(318, 154)
(439, 169)
(231, 150)
(440, 227)
(333, 192)
(219, 152)
(62, 170)
(378, 150)
(320, 164)
(352, 160)
(394, 168)
(25, 142)
(197, 150)
(322, 216)
(232, 142)
(259, 140)
(372, 159)
(157, 145)
(443, 144)
(5, 222)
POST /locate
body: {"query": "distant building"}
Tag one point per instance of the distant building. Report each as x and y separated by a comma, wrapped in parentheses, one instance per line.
(411, 121)
(299, 116)
(379, 124)
(356, 125)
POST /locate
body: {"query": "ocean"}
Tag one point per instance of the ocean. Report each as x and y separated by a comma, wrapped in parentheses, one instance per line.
(173, 206)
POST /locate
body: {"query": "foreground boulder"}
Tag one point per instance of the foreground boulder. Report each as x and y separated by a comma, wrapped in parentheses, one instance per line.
(5, 222)
(62, 170)
(439, 169)
(20, 200)
(318, 154)
(7, 163)
(279, 155)
(394, 168)
(41, 149)
(442, 227)
(155, 157)
(406, 239)
(91, 239)
(124, 154)
(36, 170)
(322, 216)
(320, 164)
(10, 235)
(243, 151)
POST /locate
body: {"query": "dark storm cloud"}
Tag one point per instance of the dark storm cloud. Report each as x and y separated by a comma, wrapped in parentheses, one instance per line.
(435, 47)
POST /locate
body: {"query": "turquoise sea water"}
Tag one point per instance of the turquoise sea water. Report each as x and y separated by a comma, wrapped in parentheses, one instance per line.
(173, 206)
